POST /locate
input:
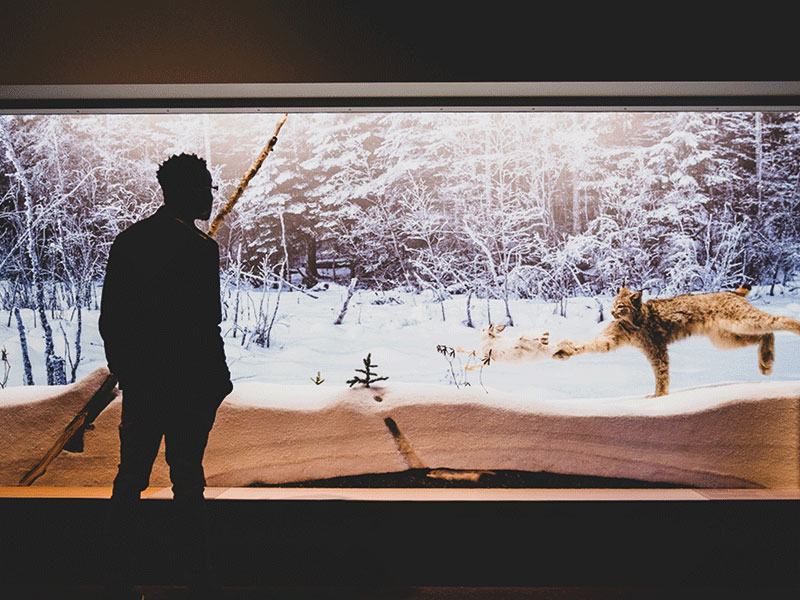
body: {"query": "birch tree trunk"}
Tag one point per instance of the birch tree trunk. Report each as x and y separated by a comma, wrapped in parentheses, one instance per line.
(78, 332)
(23, 343)
(350, 290)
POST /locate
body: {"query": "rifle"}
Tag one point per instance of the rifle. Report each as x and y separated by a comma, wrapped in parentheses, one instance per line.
(72, 436)
(251, 172)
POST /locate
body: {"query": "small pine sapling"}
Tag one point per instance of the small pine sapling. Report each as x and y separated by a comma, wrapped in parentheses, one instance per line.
(368, 375)
(318, 380)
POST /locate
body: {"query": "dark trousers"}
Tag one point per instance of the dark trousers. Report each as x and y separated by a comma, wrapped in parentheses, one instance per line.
(146, 420)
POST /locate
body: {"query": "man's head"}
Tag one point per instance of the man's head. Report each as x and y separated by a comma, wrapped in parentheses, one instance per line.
(186, 184)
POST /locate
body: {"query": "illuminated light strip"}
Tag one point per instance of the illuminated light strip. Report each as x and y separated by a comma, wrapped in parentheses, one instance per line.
(394, 96)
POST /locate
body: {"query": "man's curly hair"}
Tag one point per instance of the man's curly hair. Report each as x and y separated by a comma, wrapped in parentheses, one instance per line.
(178, 171)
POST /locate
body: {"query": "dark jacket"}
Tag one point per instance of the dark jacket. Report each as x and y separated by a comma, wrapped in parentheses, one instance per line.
(160, 311)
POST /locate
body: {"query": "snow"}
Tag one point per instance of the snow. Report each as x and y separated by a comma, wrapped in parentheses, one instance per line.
(733, 435)
(723, 425)
(402, 337)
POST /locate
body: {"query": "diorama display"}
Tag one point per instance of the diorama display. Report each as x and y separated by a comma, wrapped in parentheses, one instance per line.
(461, 298)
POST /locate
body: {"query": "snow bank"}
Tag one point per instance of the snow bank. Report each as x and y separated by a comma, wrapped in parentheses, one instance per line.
(727, 435)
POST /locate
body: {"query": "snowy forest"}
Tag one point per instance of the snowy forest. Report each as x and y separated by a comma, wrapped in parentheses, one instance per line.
(490, 209)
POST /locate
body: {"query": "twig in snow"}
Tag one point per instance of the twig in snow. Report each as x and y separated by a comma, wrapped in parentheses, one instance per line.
(6, 366)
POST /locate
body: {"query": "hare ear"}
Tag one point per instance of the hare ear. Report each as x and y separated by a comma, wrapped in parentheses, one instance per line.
(636, 298)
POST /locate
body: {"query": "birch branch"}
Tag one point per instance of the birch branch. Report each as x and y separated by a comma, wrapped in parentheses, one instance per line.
(225, 210)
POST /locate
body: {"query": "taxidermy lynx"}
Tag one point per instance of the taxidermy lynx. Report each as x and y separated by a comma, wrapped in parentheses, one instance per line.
(525, 347)
(727, 318)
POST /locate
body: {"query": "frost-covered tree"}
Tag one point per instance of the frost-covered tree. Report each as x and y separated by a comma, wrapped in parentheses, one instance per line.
(55, 365)
(775, 235)
(493, 206)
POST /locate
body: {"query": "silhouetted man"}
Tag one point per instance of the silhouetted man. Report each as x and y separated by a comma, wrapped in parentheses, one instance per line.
(159, 320)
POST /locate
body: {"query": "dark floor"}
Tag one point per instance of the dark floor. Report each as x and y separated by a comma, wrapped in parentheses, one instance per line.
(43, 592)
(437, 544)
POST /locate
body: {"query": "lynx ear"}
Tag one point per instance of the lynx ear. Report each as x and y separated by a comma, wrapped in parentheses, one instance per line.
(499, 328)
(636, 299)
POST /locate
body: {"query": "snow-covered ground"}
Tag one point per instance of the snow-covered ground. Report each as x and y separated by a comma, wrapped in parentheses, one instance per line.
(725, 436)
(402, 336)
(723, 424)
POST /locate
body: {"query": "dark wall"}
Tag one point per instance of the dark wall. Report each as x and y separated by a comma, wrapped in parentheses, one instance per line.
(263, 41)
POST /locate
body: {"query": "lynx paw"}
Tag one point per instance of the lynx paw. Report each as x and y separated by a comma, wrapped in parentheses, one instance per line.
(565, 349)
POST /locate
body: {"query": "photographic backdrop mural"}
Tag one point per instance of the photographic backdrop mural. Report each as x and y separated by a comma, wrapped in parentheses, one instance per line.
(365, 262)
